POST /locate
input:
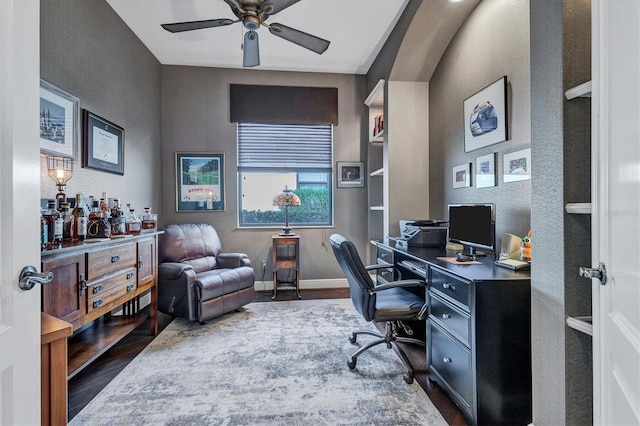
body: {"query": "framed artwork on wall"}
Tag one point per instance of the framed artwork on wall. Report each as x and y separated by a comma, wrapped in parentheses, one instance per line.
(200, 181)
(103, 144)
(462, 176)
(486, 170)
(517, 166)
(350, 174)
(59, 121)
(485, 116)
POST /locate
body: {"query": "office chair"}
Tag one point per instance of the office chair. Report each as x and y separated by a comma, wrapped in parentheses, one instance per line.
(391, 303)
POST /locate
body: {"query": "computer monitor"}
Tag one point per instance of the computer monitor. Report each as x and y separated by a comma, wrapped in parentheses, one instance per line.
(473, 226)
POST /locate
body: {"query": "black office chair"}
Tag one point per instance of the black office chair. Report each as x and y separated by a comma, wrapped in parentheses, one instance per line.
(391, 303)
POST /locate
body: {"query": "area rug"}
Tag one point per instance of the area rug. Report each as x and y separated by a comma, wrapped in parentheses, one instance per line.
(272, 363)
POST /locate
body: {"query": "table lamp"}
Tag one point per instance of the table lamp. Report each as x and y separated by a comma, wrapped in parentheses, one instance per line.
(286, 198)
(60, 169)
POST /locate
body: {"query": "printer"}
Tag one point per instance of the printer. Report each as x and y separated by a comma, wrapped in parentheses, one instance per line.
(422, 233)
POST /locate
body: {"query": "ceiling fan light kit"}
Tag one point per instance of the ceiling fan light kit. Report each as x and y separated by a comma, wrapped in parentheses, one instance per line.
(253, 14)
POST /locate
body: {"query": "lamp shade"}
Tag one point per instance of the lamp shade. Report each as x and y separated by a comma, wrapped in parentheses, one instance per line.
(286, 198)
(59, 169)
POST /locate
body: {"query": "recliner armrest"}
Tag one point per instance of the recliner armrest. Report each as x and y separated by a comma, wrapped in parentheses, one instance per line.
(232, 260)
(172, 270)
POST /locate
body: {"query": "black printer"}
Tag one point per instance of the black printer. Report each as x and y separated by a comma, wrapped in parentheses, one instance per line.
(422, 233)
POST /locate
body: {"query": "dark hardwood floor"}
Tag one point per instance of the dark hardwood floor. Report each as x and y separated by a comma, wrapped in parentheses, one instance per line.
(84, 386)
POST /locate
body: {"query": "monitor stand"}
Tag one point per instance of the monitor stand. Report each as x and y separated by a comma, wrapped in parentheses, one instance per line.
(471, 253)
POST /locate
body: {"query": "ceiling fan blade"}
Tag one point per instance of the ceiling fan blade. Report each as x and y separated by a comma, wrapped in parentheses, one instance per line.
(308, 41)
(251, 57)
(271, 7)
(196, 25)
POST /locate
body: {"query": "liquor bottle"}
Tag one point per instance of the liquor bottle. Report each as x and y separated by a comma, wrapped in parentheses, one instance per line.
(68, 222)
(80, 218)
(118, 226)
(50, 215)
(44, 231)
(149, 220)
(133, 223)
(104, 203)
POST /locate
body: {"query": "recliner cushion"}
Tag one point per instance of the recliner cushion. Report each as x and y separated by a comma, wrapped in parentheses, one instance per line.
(219, 282)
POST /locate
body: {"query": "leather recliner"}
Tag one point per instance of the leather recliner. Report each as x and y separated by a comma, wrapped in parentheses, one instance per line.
(196, 281)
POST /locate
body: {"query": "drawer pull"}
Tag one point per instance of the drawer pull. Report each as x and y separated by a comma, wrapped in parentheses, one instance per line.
(130, 275)
(449, 286)
(130, 287)
(446, 316)
(97, 303)
(115, 259)
(140, 263)
(82, 285)
(97, 288)
(446, 359)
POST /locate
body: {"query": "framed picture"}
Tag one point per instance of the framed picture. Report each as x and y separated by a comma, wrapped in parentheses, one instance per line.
(517, 166)
(462, 176)
(485, 116)
(103, 144)
(350, 174)
(59, 121)
(199, 181)
(486, 170)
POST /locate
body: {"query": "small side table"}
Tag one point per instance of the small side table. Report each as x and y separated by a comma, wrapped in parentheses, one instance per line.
(286, 255)
(53, 368)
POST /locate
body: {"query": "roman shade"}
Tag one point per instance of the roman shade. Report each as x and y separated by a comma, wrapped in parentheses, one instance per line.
(283, 104)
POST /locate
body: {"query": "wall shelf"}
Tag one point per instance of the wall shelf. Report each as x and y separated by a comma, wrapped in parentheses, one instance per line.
(378, 172)
(583, 324)
(578, 208)
(581, 91)
(377, 138)
(376, 208)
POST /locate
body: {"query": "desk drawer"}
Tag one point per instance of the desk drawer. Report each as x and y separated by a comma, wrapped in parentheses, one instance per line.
(451, 361)
(109, 260)
(450, 286)
(128, 276)
(384, 255)
(451, 319)
(109, 296)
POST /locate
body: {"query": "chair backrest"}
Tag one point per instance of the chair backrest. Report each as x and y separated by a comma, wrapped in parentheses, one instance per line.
(360, 283)
(197, 244)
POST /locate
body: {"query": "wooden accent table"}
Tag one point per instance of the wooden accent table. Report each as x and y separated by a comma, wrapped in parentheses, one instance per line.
(286, 255)
(53, 365)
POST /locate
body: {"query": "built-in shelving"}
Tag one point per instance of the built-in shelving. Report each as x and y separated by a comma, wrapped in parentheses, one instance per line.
(583, 324)
(377, 208)
(378, 172)
(377, 138)
(578, 208)
(581, 91)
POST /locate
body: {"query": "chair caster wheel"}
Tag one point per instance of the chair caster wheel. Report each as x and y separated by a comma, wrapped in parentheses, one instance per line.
(408, 379)
(351, 363)
(353, 339)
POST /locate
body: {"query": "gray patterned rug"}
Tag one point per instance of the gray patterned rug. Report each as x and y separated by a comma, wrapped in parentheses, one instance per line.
(272, 363)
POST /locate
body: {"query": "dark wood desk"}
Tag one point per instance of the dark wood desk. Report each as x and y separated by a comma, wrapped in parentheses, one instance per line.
(478, 332)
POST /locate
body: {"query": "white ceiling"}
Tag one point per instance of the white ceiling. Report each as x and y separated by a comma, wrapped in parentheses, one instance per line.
(357, 30)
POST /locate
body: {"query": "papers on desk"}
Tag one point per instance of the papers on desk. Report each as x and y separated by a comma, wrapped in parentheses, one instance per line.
(514, 265)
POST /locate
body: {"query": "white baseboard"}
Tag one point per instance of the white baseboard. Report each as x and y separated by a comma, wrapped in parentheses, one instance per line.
(307, 284)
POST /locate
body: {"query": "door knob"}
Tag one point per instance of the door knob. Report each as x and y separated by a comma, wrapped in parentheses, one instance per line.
(29, 277)
(600, 273)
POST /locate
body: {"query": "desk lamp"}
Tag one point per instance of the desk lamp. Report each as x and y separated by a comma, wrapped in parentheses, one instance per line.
(286, 198)
(60, 169)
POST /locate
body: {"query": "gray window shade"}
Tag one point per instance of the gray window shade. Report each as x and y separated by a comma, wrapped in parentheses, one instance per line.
(270, 146)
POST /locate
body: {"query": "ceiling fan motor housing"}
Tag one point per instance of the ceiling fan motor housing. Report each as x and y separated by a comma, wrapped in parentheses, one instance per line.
(251, 22)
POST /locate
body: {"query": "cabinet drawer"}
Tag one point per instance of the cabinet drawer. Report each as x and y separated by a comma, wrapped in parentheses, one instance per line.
(102, 262)
(384, 255)
(451, 361)
(109, 296)
(451, 319)
(450, 286)
(384, 275)
(103, 285)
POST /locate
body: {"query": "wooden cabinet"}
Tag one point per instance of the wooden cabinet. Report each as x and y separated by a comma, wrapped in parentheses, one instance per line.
(94, 281)
(53, 374)
(478, 334)
(286, 257)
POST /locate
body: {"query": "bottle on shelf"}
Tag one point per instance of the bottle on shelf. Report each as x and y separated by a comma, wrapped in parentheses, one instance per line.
(117, 219)
(67, 220)
(44, 231)
(51, 214)
(133, 223)
(104, 203)
(149, 220)
(80, 217)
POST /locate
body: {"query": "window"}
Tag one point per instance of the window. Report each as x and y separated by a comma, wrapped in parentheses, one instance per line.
(271, 157)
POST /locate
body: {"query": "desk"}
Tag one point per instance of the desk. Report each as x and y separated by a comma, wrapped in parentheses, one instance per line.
(286, 255)
(478, 332)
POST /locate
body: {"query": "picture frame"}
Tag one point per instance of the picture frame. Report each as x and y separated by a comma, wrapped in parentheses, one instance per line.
(350, 174)
(485, 116)
(486, 175)
(200, 181)
(59, 122)
(462, 176)
(517, 166)
(103, 144)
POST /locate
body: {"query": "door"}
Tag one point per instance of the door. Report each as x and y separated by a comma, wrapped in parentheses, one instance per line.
(19, 220)
(616, 220)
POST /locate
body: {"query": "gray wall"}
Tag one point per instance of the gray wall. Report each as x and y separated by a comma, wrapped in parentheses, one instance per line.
(493, 41)
(195, 118)
(87, 51)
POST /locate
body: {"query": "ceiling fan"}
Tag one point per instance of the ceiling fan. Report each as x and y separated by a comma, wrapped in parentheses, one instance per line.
(252, 14)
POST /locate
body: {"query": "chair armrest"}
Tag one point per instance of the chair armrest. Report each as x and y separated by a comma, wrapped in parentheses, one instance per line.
(401, 283)
(378, 266)
(172, 271)
(232, 260)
